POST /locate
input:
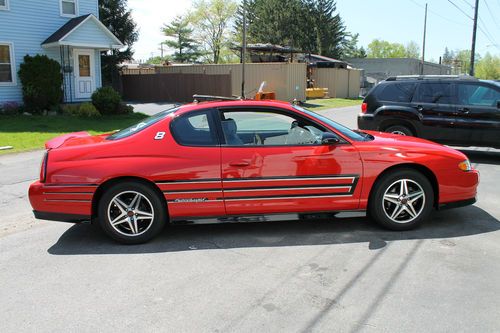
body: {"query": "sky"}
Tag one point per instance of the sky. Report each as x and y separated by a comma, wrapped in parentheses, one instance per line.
(392, 20)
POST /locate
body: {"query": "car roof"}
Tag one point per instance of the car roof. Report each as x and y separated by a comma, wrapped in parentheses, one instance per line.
(237, 103)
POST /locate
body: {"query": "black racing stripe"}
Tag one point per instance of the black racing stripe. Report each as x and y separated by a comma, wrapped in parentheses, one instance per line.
(270, 187)
(288, 196)
(200, 180)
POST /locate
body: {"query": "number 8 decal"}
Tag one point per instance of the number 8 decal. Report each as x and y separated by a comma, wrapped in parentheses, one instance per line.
(160, 135)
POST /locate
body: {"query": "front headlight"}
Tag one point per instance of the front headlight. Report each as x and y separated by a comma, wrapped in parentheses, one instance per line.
(465, 165)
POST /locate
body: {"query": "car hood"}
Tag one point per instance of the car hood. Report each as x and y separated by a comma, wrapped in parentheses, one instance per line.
(74, 139)
(408, 144)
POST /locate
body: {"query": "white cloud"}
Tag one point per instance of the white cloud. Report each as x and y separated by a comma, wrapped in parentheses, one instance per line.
(150, 16)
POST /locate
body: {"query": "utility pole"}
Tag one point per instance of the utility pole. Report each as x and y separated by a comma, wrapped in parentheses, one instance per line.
(244, 49)
(423, 46)
(161, 49)
(474, 31)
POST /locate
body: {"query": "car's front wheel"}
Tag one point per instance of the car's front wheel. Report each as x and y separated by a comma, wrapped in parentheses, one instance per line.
(401, 200)
(131, 213)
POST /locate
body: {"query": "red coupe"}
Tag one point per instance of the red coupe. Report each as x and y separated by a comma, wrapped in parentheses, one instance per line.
(231, 160)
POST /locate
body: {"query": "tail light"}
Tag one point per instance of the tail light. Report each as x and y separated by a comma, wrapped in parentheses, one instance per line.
(43, 167)
(364, 107)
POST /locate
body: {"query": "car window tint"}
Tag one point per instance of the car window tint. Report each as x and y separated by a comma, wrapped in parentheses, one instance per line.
(439, 93)
(250, 128)
(194, 130)
(474, 94)
(397, 92)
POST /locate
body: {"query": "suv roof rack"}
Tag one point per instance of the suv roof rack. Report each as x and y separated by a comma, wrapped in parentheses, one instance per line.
(201, 98)
(431, 77)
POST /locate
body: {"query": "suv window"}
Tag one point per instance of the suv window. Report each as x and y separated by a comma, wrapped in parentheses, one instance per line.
(397, 92)
(473, 94)
(439, 93)
(268, 128)
(194, 129)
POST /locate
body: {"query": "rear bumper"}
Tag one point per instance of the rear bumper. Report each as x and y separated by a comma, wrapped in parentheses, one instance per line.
(71, 218)
(60, 202)
(367, 122)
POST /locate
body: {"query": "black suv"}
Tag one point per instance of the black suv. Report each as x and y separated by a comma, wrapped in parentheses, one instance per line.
(454, 110)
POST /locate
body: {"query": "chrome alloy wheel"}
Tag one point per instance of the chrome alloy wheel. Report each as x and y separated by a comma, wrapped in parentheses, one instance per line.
(130, 213)
(398, 133)
(403, 201)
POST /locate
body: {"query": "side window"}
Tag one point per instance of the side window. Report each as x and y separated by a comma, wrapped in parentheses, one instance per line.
(255, 128)
(397, 92)
(439, 93)
(194, 130)
(478, 95)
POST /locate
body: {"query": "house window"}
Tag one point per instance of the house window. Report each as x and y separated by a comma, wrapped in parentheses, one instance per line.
(7, 75)
(4, 4)
(69, 7)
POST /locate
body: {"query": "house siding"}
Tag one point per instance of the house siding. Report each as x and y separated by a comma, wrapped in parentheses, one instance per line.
(26, 25)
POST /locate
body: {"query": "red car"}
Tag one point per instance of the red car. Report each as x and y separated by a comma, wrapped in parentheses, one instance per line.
(226, 160)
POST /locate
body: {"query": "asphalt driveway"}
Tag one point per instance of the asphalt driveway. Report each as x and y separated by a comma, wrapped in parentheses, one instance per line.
(338, 275)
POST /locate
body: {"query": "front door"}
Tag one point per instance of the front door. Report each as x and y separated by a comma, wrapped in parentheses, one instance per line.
(478, 114)
(274, 162)
(84, 73)
(434, 104)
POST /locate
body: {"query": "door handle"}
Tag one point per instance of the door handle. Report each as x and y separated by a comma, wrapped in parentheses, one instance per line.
(464, 110)
(239, 164)
(420, 108)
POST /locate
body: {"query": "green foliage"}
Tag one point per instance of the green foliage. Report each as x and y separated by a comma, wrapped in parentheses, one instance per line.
(488, 68)
(118, 19)
(180, 33)
(310, 25)
(126, 109)
(85, 110)
(107, 101)
(383, 49)
(41, 80)
(448, 56)
(350, 47)
(211, 20)
(158, 60)
(11, 108)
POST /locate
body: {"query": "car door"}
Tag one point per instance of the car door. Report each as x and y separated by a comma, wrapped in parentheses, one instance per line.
(273, 162)
(196, 187)
(434, 104)
(478, 114)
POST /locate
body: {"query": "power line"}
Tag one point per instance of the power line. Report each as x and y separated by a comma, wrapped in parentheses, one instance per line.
(460, 9)
(439, 15)
(491, 14)
(468, 4)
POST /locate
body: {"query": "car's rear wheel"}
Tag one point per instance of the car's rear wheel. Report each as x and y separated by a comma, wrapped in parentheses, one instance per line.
(401, 200)
(399, 130)
(131, 213)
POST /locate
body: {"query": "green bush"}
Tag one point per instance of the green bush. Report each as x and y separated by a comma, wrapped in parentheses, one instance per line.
(10, 109)
(107, 101)
(86, 110)
(126, 109)
(41, 80)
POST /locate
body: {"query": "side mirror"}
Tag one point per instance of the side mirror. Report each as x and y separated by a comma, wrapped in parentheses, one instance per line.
(329, 139)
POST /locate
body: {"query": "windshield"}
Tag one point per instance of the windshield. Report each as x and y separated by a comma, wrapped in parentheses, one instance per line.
(145, 123)
(357, 136)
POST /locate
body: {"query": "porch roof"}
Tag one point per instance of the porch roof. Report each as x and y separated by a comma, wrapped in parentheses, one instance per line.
(84, 32)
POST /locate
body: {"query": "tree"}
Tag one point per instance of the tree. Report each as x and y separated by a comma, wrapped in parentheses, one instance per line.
(351, 49)
(115, 16)
(384, 49)
(488, 68)
(310, 25)
(448, 56)
(158, 60)
(211, 21)
(180, 33)
(412, 50)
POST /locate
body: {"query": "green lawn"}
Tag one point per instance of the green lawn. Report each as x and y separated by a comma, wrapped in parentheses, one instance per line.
(330, 103)
(30, 132)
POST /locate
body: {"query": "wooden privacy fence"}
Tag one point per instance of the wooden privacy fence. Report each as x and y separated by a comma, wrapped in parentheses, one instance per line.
(173, 87)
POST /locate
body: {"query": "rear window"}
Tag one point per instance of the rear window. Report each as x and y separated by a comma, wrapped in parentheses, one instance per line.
(439, 93)
(397, 92)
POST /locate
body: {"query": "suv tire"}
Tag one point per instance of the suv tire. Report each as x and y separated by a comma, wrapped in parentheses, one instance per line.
(400, 130)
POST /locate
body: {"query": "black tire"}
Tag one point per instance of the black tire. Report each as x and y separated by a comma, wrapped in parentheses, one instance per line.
(400, 130)
(127, 232)
(379, 208)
